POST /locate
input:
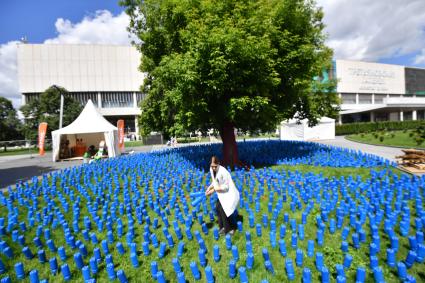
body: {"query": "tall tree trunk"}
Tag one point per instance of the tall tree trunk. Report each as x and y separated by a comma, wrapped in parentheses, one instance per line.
(230, 149)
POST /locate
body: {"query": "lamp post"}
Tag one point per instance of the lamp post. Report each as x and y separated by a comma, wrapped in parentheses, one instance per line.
(61, 105)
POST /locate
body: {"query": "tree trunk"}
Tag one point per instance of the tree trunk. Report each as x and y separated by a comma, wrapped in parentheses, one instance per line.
(230, 149)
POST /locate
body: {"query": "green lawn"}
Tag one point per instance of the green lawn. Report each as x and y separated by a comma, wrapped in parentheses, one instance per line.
(392, 138)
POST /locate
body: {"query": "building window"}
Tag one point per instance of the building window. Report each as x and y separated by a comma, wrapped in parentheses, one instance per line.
(379, 98)
(348, 98)
(117, 99)
(365, 99)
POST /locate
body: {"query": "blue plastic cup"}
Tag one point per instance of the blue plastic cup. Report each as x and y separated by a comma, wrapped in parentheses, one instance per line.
(401, 270)
(27, 252)
(86, 273)
(111, 271)
(348, 259)
(235, 253)
(120, 248)
(97, 255)
(340, 270)
(250, 261)
(216, 252)
(34, 276)
(53, 265)
(269, 266)
(294, 240)
(176, 265)
(162, 250)
(228, 242)
(195, 271)
(180, 249)
(134, 260)
(78, 259)
(410, 259)
(154, 269)
(160, 277)
(289, 269)
(37, 242)
(420, 253)
(121, 276)
(93, 265)
(306, 275)
(319, 261)
(209, 274)
(105, 247)
(109, 259)
(299, 257)
(181, 278)
(265, 253)
(310, 248)
(216, 233)
(282, 247)
(232, 269)
(242, 275)
(341, 279)
(391, 260)
(19, 270)
(413, 243)
(325, 275)
(146, 250)
(360, 274)
(66, 273)
(51, 245)
(258, 230)
(248, 247)
(2, 267)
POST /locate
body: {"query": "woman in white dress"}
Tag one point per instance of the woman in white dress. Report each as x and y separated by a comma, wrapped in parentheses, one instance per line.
(228, 196)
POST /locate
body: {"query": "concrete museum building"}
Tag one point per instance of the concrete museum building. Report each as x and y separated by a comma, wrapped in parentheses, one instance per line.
(109, 76)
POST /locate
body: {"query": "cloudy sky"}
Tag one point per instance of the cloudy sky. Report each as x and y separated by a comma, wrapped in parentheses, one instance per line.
(387, 31)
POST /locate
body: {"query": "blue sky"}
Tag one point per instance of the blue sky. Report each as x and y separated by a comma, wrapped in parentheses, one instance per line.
(36, 18)
(385, 31)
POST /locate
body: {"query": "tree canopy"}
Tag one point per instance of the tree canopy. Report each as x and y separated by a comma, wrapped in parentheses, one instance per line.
(230, 64)
(9, 123)
(46, 109)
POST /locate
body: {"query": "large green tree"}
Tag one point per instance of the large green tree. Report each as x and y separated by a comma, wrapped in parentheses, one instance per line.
(10, 125)
(46, 109)
(230, 64)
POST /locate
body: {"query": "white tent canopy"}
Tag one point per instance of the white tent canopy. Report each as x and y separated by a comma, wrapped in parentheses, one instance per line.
(90, 126)
(299, 130)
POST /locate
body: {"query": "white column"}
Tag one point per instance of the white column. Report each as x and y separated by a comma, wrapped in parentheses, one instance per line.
(373, 98)
(134, 100)
(339, 119)
(401, 116)
(414, 115)
(357, 98)
(99, 100)
(136, 126)
(372, 116)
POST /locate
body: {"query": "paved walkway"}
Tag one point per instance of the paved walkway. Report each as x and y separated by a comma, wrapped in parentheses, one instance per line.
(383, 151)
(23, 167)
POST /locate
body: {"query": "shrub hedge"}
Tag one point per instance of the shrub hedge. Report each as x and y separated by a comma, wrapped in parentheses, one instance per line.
(357, 128)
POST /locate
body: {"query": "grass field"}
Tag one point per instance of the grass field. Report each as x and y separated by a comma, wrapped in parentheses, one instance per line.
(138, 189)
(392, 138)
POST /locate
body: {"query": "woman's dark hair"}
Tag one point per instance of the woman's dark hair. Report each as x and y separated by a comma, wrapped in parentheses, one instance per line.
(215, 160)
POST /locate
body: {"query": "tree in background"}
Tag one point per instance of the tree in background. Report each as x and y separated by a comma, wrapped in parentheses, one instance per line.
(46, 109)
(10, 125)
(230, 64)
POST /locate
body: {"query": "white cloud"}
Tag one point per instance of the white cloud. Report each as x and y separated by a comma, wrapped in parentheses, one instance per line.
(100, 28)
(372, 30)
(420, 59)
(8, 73)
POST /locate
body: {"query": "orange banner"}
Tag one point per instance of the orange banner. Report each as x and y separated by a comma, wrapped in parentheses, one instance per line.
(42, 129)
(120, 126)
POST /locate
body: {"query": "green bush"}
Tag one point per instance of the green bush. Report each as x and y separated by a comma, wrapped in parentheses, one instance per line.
(358, 128)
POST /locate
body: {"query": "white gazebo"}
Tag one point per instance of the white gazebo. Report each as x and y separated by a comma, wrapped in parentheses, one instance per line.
(90, 127)
(299, 130)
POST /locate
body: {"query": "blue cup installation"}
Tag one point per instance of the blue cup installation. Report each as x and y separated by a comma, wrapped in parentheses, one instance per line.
(93, 265)
(86, 273)
(289, 267)
(299, 257)
(235, 253)
(325, 275)
(34, 276)
(19, 270)
(202, 258)
(216, 252)
(360, 274)
(348, 259)
(161, 277)
(269, 266)
(209, 274)
(232, 269)
(250, 261)
(66, 273)
(410, 259)
(181, 278)
(176, 265)
(195, 271)
(78, 259)
(401, 270)
(121, 276)
(180, 249)
(53, 265)
(154, 269)
(242, 275)
(306, 277)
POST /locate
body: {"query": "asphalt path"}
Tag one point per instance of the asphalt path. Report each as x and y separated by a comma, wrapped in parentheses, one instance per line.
(23, 167)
